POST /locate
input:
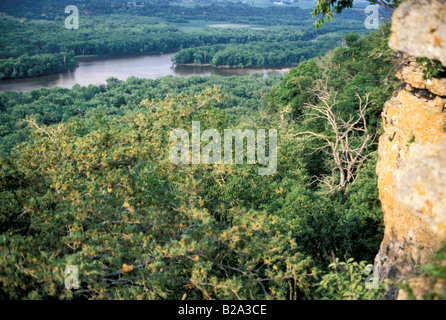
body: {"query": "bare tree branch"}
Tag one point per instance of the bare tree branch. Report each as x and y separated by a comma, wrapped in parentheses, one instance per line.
(348, 140)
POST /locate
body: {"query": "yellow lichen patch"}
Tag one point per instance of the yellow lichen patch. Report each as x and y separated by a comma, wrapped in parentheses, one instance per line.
(421, 189)
(441, 229)
(427, 208)
(437, 41)
(408, 115)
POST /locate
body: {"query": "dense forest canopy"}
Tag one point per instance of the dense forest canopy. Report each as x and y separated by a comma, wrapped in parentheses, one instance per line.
(85, 176)
(75, 191)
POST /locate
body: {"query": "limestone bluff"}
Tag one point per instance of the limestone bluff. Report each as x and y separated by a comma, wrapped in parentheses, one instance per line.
(412, 151)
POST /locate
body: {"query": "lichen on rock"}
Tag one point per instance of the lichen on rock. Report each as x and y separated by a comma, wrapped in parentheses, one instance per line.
(419, 29)
(420, 182)
(411, 73)
(412, 151)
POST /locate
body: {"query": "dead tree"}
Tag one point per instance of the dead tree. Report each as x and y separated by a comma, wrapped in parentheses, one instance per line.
(347, 141)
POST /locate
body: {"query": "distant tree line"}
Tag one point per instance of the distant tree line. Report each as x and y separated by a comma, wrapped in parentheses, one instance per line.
(43, 45)
(259, 54)
(36, 65)
(234, 12)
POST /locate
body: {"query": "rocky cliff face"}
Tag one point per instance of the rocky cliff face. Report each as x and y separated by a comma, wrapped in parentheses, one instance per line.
(412, 150)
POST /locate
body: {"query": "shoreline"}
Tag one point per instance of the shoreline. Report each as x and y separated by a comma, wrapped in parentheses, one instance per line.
(123, 55)
(67, 78)
(93, 57)
(210, 65)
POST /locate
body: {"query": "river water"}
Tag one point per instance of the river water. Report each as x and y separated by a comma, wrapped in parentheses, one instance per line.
(95, 70)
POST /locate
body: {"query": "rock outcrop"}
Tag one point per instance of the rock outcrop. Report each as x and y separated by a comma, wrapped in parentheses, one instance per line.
(412, 151)
(419, 28)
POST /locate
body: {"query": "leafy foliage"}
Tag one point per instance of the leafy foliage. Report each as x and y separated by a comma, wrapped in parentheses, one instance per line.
(364, 66)
(430, 68)
(242, 97)
(324, 8)
(347, 281)
(102, 194)
(437, 272)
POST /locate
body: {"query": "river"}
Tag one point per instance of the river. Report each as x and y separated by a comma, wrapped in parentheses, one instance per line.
(95, 70)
